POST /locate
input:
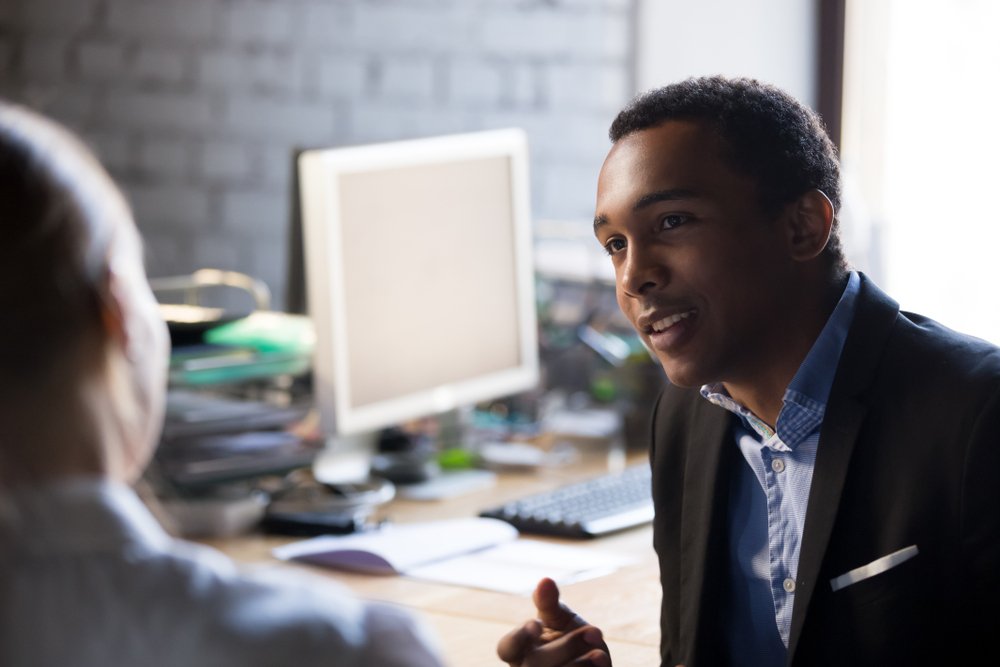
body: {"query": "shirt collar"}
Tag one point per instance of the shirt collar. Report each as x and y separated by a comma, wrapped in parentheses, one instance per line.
(804, 402)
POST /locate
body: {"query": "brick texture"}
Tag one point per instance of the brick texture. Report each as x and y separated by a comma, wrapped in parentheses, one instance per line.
(197, 106)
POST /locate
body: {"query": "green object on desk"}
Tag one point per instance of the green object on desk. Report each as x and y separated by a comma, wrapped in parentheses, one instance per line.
(604, 389)
(263, 344)
(228, 367)
(456, 458)
(267, 331)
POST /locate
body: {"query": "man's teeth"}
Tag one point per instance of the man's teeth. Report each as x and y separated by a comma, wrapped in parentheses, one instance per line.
(670, 321)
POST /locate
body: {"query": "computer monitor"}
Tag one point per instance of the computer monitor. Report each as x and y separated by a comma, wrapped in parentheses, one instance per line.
(419, 276)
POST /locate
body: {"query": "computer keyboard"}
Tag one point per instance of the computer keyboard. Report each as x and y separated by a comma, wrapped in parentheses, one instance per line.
(591, 508)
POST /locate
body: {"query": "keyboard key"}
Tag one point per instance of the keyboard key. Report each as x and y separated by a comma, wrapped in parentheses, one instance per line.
(591, 508)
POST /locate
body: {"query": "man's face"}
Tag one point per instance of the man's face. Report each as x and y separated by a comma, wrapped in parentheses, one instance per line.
(701, 271)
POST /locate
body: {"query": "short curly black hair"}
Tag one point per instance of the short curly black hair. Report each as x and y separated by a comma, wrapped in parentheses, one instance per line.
(768, 133)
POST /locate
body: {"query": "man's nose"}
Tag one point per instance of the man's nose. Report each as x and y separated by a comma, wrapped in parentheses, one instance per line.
(642, 271)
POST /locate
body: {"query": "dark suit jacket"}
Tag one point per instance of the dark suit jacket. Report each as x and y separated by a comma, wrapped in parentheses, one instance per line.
(909, 454)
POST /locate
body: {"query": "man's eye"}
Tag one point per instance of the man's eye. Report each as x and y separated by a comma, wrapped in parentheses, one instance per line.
(673, 220)
(614, 245)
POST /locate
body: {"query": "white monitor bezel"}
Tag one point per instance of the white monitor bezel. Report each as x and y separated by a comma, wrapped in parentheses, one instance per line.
(321, 226)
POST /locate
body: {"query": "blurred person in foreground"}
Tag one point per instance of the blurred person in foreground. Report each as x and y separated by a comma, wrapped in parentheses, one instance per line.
(87, 575)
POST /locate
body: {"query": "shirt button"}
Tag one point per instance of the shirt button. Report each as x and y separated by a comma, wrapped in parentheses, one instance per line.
(777, 465)
(788, 585)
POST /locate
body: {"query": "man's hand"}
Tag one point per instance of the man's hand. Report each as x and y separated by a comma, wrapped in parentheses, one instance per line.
(557, 638)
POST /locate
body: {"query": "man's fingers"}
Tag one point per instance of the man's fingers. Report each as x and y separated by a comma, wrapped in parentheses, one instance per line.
(595, 658)
(553, 613)
(515, 646)
(526, 647)
(582, 646)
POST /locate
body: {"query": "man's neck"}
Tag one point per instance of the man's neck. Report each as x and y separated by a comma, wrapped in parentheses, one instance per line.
(762, 391)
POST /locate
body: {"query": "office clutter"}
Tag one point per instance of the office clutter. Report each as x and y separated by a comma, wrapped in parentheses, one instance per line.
(192, 304)
(594, 366)
(237, 413)
(221, 338)
(213, 439)
(240, 439)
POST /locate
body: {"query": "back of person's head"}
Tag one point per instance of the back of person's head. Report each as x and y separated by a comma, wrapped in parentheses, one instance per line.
(53, 248)
(63, 229)
(767, 135)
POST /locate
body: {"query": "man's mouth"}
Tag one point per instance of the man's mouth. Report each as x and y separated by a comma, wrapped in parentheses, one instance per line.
(662, 325)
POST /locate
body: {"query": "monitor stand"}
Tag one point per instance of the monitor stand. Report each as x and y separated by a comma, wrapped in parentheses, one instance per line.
(412, 460)
(338, 496)
(448, 484)
(405, 458)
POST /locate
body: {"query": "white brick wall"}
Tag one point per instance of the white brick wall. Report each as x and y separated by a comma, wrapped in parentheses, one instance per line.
(259, 22)
(340, 76)
(158, 111)
(45, 59)
(251, 117)
(161, 66)
(242, 71)
(165, 160)
(101, 61)
(167, 206)
(176, 22)
(253, 212)
(113, 149)
(226, 163)
(58, 15)
(196, 106)
(405, 79)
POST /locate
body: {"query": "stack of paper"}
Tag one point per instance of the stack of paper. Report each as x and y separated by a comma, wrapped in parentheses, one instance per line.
(474, 552)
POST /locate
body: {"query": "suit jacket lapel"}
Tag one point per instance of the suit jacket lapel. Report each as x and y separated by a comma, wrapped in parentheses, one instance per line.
(704, 531)
(845, 412)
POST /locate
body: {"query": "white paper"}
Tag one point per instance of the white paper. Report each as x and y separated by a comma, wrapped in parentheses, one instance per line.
(516, 567)
(398, 548)
(478, 553)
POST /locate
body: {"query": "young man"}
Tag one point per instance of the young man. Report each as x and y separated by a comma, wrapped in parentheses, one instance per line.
(826, 468)
(87, 576)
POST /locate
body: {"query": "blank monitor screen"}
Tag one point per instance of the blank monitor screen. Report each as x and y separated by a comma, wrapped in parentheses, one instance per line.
(419, 276)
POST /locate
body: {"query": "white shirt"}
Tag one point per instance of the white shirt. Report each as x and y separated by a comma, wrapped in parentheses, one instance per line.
(88, 577)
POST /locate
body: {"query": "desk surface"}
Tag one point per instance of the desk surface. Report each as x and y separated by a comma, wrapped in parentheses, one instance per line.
(468, 622)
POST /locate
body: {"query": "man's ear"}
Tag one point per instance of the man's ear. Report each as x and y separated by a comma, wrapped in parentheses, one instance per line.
(810, 221)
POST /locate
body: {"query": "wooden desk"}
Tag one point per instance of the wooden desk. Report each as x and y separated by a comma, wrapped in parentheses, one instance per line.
(468, 622)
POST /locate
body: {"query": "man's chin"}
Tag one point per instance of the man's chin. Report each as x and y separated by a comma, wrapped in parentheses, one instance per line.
(682, 376)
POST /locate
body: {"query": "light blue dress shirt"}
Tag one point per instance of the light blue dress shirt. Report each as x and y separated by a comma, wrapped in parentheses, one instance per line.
(768, 497)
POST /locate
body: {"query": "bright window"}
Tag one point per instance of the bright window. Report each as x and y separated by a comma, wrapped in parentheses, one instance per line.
(921, 155)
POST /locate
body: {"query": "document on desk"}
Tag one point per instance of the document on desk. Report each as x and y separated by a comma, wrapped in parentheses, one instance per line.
(474, 552)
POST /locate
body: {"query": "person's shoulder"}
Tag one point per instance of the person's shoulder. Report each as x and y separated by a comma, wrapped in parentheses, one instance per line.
(913, 353)
(215, 580)
(275, 611)
(946, 354)
(396, 638)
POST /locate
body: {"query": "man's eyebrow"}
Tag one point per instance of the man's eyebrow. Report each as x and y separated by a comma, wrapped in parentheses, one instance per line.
(650, 199)
(663, 195)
